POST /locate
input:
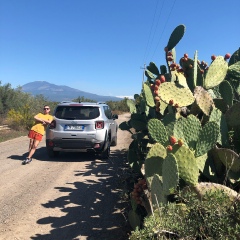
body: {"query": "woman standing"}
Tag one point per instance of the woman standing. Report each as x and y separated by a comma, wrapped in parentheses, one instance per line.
(37, 131)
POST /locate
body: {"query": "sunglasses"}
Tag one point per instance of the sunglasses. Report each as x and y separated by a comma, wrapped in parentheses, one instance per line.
(46, 108)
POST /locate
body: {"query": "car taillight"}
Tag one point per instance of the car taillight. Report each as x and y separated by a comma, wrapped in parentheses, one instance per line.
(99, 124)
(52, 124)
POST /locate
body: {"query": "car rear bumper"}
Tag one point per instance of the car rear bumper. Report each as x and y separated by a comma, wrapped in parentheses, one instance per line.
(74, 145)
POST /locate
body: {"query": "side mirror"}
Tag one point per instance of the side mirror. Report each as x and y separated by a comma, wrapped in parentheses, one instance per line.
(115, 116)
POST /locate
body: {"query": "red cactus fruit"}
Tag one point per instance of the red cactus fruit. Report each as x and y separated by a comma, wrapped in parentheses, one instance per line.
(169, 54)
(172, 140)
(171, 102)
(227, 56)
(185, 55)
(156, 87)
(162, 79)
(180, 142)
(157, 82)
(176, 105)
(155, 92)
(169, 58)
(213, 57)
(169, 148)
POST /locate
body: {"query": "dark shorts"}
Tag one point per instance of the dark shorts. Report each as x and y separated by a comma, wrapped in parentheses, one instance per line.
(34, 135)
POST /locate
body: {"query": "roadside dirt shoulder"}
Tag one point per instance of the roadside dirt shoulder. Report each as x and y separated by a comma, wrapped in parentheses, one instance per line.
(75, 196)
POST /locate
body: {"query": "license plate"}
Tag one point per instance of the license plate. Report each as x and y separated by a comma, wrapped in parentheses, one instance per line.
(74, 127)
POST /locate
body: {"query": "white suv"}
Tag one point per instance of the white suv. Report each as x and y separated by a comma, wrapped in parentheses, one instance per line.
(82, 127)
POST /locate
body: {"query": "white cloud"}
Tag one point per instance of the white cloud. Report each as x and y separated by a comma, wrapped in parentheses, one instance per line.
(129, 97)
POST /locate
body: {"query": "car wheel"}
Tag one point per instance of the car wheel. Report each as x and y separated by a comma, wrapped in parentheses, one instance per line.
(106, 153)
(52, 153)
(114, 142)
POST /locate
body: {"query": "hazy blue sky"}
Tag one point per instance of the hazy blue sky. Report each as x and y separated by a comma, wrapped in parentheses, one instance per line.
(101, 46)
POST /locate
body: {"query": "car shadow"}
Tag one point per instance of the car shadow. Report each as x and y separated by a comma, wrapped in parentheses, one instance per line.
(41, 155)
(94, 209)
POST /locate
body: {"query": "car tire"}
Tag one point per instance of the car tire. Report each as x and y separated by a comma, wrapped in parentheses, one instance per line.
(106, 153)
(114, 142)
(52, 153)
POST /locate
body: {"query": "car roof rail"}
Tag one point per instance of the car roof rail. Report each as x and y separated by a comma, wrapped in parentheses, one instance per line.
(66, 101)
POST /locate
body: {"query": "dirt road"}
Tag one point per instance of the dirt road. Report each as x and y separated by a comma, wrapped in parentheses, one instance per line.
(73, 197)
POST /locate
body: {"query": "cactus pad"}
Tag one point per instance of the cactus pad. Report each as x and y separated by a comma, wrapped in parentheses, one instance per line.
(157, 191)
(149, 75)
(131, 105)
(205, 187)
(188, 129)
(153, 68)
(216, 72)
(229, 158)
(234, 58)
(175, 37)
(170, 174)
(180, 95)
(207, 138)
(187, 165)
(203, 100)
(233, 115)
(134, 219)
(148, 95)
(226, 92)
(138, 121)
(157, 131)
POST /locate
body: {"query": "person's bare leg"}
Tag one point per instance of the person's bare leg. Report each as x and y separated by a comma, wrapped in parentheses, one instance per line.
(33, 149)
(30, 144)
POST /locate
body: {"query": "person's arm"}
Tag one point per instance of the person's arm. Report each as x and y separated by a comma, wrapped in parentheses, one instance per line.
(40, 120)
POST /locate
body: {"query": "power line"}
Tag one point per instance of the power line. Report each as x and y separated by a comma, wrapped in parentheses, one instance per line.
(164, 28)
(145, 54)
(160, 14)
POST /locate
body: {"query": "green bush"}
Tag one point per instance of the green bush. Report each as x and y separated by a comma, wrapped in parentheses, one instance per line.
(212, 218)
(20, 119)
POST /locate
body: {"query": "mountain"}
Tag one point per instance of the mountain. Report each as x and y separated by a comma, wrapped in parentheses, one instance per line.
(58, 93)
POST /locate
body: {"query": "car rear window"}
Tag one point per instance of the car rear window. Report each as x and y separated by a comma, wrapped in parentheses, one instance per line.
(76, 112)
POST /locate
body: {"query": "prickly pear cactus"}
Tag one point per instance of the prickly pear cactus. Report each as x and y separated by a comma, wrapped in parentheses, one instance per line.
(188, 129)
(134, 219)
(153, 68)
(204, 100)
(226, 92)
(216, 73)
(148, 95)
(204, 187)
(229, 158)
(170, 174)
(187, 165)
(233, 115)
(175, 37)
(157, 131)
(131, 105)
(157, 194)
(220, 119)
(235, 57)
(207, 138)
(178, 95)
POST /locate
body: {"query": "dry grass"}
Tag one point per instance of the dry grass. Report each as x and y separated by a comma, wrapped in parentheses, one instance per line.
(10, 134)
